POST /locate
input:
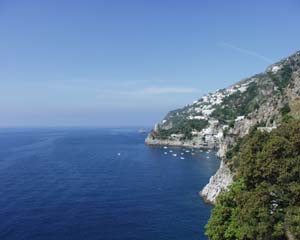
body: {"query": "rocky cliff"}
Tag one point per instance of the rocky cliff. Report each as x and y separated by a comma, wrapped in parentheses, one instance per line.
(219, 119)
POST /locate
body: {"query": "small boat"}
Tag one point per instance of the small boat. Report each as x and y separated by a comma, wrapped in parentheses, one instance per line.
(193, 153)
(119, 154)
(171, 151)
(142, 130)
(165, 147)
(182, 158)
(187, 151)
(165, 153)
(207, 157)
(174, 155)
(182, 153)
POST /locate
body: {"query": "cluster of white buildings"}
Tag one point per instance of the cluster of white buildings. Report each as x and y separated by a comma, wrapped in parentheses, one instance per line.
(202, 110)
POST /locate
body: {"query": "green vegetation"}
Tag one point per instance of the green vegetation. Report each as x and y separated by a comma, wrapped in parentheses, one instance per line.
(285, 110)
(295, 108)
(264, 200)
(282, 79)
(243, 103)
(237, 104)
(184, 127)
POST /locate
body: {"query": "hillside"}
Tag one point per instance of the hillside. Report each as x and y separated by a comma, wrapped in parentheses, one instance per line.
(264, 200)
(218, 120)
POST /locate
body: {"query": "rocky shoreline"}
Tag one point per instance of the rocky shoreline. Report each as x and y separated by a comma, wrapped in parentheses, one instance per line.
(157, 142)
(217, 183)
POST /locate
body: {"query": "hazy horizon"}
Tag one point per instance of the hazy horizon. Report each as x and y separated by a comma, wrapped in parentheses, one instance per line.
(127, 63)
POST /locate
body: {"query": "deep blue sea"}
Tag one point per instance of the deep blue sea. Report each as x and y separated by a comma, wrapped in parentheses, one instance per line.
(99, 184)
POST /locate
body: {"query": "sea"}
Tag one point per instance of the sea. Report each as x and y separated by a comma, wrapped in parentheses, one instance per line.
(96, 183)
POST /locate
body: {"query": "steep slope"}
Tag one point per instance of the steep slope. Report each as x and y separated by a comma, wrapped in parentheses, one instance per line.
(219, 119)
(263, 202)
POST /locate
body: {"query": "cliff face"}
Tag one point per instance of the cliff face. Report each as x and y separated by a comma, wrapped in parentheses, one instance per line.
(217, 183)
(219, 119)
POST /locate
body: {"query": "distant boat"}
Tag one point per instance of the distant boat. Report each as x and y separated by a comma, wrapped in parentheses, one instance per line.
(119, 154)
(165, 147)
(187, 151)
(170, 151)
(182, 153)
(174, 155)
(193, 153)
(165, 153)
(142, 130)
(182, 158)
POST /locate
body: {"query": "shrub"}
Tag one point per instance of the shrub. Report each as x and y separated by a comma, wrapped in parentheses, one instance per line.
(264, 201)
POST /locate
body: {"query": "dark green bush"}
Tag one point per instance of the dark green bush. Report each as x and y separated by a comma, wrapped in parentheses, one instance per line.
(264, 201)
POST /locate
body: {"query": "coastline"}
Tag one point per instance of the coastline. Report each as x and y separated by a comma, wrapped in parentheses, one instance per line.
(156, 142)
(219, 181)
(217, 184)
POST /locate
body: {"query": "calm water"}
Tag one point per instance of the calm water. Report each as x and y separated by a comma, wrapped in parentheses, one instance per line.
(72, 184)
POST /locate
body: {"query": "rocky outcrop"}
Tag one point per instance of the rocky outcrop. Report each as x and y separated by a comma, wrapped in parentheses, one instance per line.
(217, 183)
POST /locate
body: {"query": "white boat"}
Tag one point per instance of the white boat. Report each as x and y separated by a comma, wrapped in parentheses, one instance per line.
(182, 158)
(165, 153)
(119, 154)
(165, 147)
(170, 151)
(174, 155)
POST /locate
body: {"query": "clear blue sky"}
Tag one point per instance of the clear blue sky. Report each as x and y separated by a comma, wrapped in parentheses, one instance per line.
(120, 63)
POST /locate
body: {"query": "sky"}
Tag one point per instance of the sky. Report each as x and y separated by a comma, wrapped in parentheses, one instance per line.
(127, 63)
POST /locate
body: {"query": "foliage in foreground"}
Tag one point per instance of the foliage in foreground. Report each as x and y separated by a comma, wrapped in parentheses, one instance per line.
(264, 201)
